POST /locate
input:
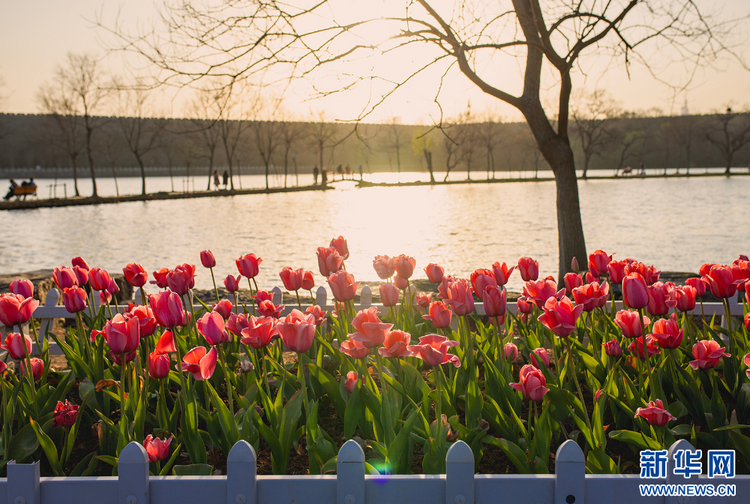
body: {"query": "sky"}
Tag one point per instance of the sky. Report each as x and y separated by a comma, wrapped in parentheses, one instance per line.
(37, 35)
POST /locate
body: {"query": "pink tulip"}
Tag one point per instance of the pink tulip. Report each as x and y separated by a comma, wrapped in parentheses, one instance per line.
(297, 331)
(22, 287)
(122, 334)
(540, 353)
(353, 348)
(18, 346)
(232, 284)
(721, 282)
(531, 383)
(540, 291)
(329, 261)
(343, 286)
(649, 274)
(501, 273)
(65, 414)
(146, 319)
(64, 277)
(481, 279)
(747, 321)
(698, 284)
(684, 297)
(167, 308)
(422, 300)
(318, 314)
(660, 298)
(511, 351)
(434, 273)
(655, 413)
(99, 279)
(433, 349)
(612, 348)
(182, 278)
(82, 276)
(236, 323)
(460, 298)
(341, 247)
(746, 360)
(591, 295)
(384, 266)
(3, 367)
(223, 308)
(211, 327)
(80, 263)
(598, 394)
(259, 332)
(292, 279)
(571, 281)
(308, 281)
(444, 285)
(667, 333)
(395, 345)
(524, 307)
(166, 344)
(160, 278)
(494, 300)
(156, 448)
(207, 259)
(372, 331)
(117, 358)
(560, 316)
(37, 368)
(616, 270)
(401, 283)
(635, 291)
(598, 262)
(404, 266)
(389, 294)
(439, 314)
(528, 268)
(707, 354)
(158, 365)
(248, 265)
(629, 323)
(201, 363)
(351, 381)
(266, 307)
(16, 310)
(135, 275)
(105, 297)
(636, 347)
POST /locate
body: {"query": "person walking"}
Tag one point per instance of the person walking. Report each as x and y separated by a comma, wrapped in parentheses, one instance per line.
(216, 180)
(315, 175)
(226, 178)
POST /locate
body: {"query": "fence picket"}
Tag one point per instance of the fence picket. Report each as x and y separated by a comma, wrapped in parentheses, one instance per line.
(350, 474)
(570, 474)
(459, 474)
(242, 474)
(24, 486)
(133, 475)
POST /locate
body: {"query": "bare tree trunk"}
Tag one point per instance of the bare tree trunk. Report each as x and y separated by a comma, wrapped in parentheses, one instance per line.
(89, 131)
(143, 175)
(75, 176)
(286, 166)
(266, 175)
(114, 176)
(428, 157)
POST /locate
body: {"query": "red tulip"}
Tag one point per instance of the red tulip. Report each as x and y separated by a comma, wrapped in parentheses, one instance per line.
(318, 313)
(211, 327)
(329, 261)
(528, 268)
(248, 264)
(308, 281)
(401, 283)
(649, 274)
(434, 273)
(636, 347)
(18, 346)
(156, 448)
(422, 300)
(146, 319)
(341, 246)
(160, 278)
(460, 298)
(343, 286)
(372, 330)
(560, 316)
(741, 271)
(598, 262)
(494, 300)
(266, 307)
(292, 279)
(501, 273)
(166, 344)
(660, 298)
(404, 266)
(167, 308)
(721, 282)
(747, 320)
(135, 275)
(201, 363)
(22, 287)
(531, 383)
(598, 394)
(444, 285)
(389, 294)
(99, 279)
(524, 307)
(684, 297)
(667, 332)
(511, 351)
(297, 331)
(65, 414)
(37, 367)
(746, 360)
(439, 314)
(629, 323)
(707, 354)
(158, 365)
(117, 358)
(612, 348)
(236, 323)
(571, 281)
(16, 310)
(3, 367)
(655, 414)
(207, 259)
(481, 279)
(591, 295)
(433, 349)
(634, 291)
(259, 332)
(354, 348)
(122, 334)
(540, 291)
(698, 284)
(542, 354)
(80, 263)
(395, 344)
(384, 266)
(351, 381)
(616, 270)
(64, 277)
(231, 283)
(182, 278)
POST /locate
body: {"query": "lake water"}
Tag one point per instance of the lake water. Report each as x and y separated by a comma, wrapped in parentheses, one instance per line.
(676, 224)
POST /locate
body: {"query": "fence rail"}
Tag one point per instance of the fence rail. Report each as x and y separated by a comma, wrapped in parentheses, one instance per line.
(350, 485)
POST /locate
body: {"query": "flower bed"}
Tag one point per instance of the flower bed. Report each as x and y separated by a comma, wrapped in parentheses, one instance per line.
(407, 381)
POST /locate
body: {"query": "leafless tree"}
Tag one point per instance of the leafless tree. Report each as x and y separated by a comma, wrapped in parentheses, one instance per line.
(394, 139)
(204, 111)
(627, 141)
(59, 105)
(292, 134)
(300, 38)
(490, 138)
(321, 135)
(684, 128)
(592, 115)
(424, 142)
(729, 132)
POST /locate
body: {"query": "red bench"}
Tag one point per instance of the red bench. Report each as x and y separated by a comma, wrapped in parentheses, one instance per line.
(28, 190)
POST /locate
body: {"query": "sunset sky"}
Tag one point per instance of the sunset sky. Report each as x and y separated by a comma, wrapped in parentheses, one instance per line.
(36, 36)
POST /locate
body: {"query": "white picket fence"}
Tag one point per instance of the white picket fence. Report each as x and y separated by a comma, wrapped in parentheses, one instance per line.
(350, 485)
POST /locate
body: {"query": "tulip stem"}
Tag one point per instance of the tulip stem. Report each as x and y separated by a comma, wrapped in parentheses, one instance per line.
(299, 303)
(228, 380)
(645, 354)
(122, 387)
(216, 291)
(252, 296)
(572, 364)
(29, 370)
(303, 384)
(728, 317)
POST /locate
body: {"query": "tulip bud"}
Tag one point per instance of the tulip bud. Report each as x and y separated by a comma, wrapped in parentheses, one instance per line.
(207, 259)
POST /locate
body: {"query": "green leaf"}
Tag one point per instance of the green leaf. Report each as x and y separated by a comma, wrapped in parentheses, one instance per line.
(108, 459)
(598, 462)
(353, 413)
(87, 466)
(397, 456)
(193, 470)
(331, 386)
(228, 425)
(22, 444)
(168, 465)
(50, 450)
(516, 455)
(636, 438)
